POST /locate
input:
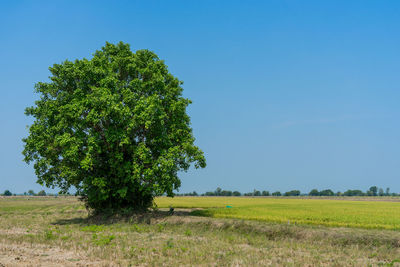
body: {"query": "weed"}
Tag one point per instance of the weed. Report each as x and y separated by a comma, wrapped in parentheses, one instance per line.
(160, 227)
(93, 228)
(393, 262)
(136, 228)
(170, 243)
(48, 234)
(102, 240)
(188, 232)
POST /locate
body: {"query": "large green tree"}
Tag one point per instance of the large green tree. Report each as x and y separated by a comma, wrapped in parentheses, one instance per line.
(114, 127)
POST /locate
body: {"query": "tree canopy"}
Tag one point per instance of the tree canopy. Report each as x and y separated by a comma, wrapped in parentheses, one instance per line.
(42, 193)
(114, 127)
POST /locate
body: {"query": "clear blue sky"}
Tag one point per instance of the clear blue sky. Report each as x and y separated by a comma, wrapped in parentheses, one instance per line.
(286, 94)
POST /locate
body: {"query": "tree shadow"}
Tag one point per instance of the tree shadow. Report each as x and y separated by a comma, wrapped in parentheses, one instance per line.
(149, 217)
(71, 221)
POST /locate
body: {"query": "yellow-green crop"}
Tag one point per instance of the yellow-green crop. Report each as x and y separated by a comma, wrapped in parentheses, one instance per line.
(328, 212)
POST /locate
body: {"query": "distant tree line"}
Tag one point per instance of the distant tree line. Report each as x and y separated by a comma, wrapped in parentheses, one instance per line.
(31, 193)
(372, 191)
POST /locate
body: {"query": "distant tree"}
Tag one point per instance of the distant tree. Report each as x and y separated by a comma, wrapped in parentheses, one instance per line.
(292, 193)
(338, 193)
(277, 194)
(31, 192)
(354, 193)
(381, 192)
(236, 193)
(192, 194)
(42, 193)
(256, 193)
(218, 191)
(326, 192)
(265, 193)
(374, 190)
(226, 193)
(314, 192)
(210, 194)
(25, 193)
(7, 193)
(387, 191)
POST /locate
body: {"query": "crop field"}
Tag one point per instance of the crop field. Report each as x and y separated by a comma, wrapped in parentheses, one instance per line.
(328, 212)
(49, 231)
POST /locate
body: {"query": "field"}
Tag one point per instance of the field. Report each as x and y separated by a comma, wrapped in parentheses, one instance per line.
(48, 231)
(329, 212)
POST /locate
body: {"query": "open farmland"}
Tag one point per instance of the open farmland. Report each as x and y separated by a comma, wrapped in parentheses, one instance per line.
(328, 212)
(48, 231)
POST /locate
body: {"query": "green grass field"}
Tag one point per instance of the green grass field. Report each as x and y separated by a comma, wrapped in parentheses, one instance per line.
(328, 212)
(48, 231)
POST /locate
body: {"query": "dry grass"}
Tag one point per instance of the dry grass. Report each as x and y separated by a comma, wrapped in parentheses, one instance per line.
(57, 232)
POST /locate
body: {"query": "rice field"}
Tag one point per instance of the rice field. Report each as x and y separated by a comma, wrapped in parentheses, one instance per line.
(327, 212)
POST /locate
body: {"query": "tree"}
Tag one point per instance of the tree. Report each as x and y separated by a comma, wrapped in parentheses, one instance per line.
(327, 192)
(381, 192)
(314, 192)
(31, 192)
(293, 193)
(387, 193)
(227, 193)
(114, 127)
(354, 193)
(236, 193)
(374, 190)
(277, 194)
(7, 193)
(218, 191)
(256, 193)
(265, 193)
(42, 193)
